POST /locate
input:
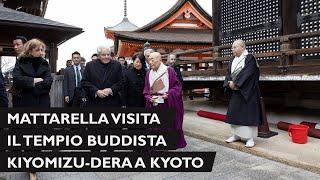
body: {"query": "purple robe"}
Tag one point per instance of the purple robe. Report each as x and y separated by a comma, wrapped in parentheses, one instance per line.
(174, 101)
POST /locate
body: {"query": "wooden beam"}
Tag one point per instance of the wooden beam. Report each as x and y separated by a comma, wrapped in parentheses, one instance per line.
(195, 51)
(289, 16)
(195, 61)
(185, 27)
(186, 6)
(53, 57)
(304, 51)
(262, 41)
(189, 21)
(216, 22)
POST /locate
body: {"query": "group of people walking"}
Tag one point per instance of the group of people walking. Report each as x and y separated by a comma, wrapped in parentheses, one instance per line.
(103, 82)
(149, 83)
(106, 83)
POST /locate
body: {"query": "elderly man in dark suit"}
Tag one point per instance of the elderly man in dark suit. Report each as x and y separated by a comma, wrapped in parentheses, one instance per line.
(102, 80)
(72, 89)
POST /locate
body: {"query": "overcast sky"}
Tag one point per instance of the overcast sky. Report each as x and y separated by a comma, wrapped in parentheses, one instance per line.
(94, 15)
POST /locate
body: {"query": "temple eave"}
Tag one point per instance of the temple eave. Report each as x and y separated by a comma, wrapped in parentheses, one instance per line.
(128, 48)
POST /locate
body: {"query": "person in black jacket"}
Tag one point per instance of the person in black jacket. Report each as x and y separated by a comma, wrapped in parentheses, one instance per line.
(102, 80)
(134, 83)
(72, 89)
(32, 75)
(172, 62)
(18, 43)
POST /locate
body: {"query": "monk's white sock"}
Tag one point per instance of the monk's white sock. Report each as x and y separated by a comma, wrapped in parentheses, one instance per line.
(233, 139)
(250, 143)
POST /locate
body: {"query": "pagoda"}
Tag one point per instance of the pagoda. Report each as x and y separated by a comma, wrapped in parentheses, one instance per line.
(186, 26)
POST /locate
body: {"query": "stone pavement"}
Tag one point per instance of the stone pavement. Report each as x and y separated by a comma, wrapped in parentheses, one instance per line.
(279, 148)
(229, 164)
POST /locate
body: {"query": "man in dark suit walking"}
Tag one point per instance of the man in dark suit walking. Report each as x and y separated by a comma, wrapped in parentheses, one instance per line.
(18, 43)
(72, 89)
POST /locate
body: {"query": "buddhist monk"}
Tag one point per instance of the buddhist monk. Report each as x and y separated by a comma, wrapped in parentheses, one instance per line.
(164, 90)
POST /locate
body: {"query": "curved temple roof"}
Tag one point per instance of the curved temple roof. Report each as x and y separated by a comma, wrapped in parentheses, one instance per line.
(124, 25)
(172, 11)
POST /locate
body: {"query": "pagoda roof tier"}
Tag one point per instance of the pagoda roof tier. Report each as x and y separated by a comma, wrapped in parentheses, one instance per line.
(124, 25)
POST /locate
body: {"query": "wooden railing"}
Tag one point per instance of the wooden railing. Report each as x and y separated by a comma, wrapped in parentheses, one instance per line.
(287, 63)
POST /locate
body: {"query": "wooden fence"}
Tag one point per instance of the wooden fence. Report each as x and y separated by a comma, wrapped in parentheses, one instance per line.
(287, 64)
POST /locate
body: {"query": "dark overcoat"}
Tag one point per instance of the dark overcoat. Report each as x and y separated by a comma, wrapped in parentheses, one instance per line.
(244, 106)
(24, 72)
(98, 76)
(133, 88)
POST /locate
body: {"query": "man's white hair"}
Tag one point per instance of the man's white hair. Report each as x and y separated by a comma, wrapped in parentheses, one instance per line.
(240, 42)
(101, 48)
(148, 50)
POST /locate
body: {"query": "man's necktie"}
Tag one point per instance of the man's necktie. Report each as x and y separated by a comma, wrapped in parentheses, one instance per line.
(78, 77)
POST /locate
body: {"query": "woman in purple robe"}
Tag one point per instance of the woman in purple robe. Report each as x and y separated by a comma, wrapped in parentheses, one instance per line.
(163, 90)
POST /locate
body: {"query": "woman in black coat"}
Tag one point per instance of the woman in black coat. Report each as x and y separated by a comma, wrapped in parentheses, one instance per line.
(134, 83)
(32, 75)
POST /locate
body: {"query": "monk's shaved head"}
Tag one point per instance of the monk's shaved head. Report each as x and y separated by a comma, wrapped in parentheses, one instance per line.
(238, 47)
(240, 42)
(155, 60)
(156, 55)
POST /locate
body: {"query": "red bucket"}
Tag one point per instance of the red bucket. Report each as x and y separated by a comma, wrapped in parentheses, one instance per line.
(298, 133)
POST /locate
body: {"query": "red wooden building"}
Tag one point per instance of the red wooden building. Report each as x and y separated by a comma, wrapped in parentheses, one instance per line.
(186, 26)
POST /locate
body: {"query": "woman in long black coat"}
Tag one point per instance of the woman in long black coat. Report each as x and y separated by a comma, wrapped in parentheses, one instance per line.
(134, 83)
(32, 75)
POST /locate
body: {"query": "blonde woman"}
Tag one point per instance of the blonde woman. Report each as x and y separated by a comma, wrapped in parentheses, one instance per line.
(32, 75)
